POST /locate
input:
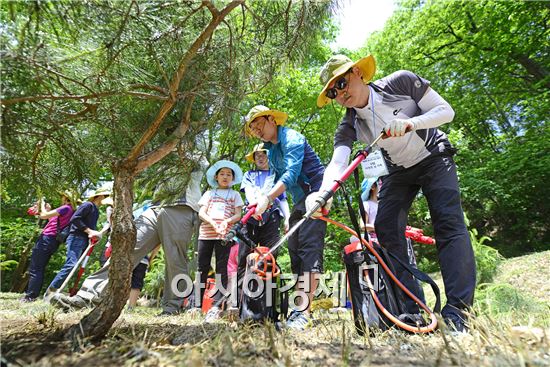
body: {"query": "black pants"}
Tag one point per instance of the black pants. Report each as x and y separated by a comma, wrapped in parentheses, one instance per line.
(221, 251)
(437, 178)
(307, 244)
(268, 234)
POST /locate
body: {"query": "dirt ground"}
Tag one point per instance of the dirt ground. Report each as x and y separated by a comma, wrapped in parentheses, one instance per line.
(140, 338)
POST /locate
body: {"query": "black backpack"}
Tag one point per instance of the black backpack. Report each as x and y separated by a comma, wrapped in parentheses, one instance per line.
(359, 262)
(365, 313)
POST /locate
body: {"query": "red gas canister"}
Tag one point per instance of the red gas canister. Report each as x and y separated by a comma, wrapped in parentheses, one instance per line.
(208, 298)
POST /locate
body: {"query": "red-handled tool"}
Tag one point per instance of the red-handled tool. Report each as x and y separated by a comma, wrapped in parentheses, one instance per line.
(327, 194)
(239, 225)
(84, 257)
(88, 252)
(417, 235)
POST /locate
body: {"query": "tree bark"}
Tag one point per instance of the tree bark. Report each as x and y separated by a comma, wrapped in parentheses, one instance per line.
(123, 235)
(20, 277)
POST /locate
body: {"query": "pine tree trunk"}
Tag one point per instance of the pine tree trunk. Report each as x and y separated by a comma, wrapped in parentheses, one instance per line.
(123, 237)
(20, 277)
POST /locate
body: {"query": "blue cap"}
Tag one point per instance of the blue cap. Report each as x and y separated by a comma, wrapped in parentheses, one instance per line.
(366, 186)
(211, 173)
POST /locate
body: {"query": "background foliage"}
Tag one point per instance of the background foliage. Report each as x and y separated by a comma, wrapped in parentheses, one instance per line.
(489, 59)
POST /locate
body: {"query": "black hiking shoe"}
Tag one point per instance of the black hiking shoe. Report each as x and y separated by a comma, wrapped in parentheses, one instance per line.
(413, 319)
(67, 303)
(27, 299)
(456, 323)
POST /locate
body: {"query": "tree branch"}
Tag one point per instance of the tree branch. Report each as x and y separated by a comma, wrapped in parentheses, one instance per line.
(215, 12)
(176, 80)
(12, 101)
(92, 108)
(538, 71)
(150, 87)
(156, 155)
(504, 122)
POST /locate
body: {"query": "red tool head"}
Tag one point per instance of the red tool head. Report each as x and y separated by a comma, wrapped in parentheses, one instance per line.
(33, 210)
(263, 263)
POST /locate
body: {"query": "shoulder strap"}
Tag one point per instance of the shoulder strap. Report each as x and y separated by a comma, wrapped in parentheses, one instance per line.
(420, 275)
(361, 206)
(353, 216)
(413, 271)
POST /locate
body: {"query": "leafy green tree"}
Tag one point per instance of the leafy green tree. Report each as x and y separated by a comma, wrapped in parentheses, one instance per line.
(489, 59)
(96, 84)
(107, 83)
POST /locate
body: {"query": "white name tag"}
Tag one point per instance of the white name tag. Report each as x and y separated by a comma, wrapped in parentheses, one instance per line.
(375, 165)
(217, 211)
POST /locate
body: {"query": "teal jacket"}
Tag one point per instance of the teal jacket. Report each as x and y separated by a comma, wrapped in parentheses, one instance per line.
(295, 163)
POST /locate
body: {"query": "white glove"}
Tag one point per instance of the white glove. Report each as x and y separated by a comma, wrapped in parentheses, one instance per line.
(398, 127)
(261, 206)
(311, 201)
(94, 234)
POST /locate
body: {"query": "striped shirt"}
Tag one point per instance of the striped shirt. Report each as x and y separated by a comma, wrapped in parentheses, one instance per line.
(220, 204)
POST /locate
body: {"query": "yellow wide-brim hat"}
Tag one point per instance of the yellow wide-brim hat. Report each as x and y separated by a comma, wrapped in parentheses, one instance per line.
(257, 148)
(259, 110)
(338, 65)
(72, 195)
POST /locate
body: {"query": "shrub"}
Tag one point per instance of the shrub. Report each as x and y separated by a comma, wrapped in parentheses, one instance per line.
(487, 258)
(18, 235)
(154, 279)
(505, 302)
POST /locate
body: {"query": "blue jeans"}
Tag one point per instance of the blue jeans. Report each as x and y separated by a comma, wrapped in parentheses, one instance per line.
(75, 246)
(43, 249)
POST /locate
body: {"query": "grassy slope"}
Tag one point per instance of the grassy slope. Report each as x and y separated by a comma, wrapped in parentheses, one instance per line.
(140, 338)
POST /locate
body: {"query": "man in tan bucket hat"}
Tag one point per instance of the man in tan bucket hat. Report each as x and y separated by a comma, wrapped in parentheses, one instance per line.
(416, 155)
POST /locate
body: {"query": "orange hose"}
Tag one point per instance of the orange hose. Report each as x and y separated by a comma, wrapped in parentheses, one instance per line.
(424, 329)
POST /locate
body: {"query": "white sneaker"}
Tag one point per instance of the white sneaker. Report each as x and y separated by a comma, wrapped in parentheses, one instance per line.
(298, 321)
(213, 315)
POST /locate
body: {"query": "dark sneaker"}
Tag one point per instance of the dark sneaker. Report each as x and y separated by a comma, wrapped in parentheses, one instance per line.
(456, 323)
(69, 303)
(413, 319)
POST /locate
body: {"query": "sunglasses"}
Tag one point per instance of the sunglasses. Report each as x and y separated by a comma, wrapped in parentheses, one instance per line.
(340, 84)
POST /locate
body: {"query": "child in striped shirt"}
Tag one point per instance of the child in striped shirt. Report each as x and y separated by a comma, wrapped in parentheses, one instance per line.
(220, 208)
